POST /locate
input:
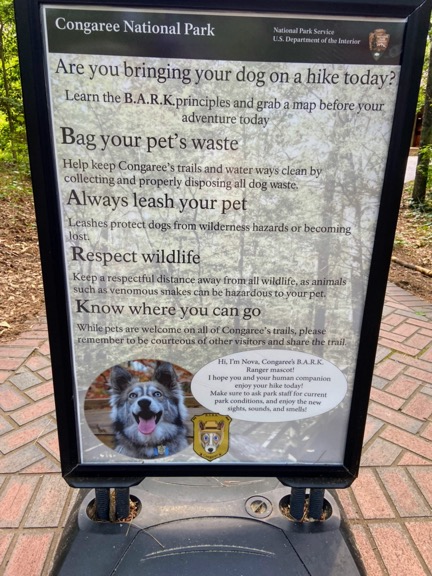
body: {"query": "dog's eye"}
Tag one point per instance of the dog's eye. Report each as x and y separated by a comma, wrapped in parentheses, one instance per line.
(206, 438)
(215, 438)
(157, 394)
(133, 395)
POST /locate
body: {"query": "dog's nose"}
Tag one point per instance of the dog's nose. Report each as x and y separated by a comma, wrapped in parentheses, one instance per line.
(144, 403)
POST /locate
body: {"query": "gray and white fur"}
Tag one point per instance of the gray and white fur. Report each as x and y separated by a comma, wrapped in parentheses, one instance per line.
(148, 417)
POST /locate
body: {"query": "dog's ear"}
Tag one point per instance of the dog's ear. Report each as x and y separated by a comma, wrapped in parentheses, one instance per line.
(119, 379)
(221, 425)
(165, 374)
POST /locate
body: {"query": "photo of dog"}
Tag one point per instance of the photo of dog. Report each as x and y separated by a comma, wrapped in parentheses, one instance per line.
(148, 415)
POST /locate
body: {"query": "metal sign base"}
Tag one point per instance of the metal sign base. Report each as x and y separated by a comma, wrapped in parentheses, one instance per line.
(213, 525)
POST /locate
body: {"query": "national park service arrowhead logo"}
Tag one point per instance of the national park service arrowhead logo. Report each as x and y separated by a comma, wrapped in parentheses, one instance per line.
(211, 435)
(378, 42)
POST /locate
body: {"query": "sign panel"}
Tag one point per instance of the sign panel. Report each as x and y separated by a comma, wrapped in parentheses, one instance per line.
(218, 179)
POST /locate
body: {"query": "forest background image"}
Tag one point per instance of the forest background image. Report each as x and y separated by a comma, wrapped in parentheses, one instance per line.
(21, 289)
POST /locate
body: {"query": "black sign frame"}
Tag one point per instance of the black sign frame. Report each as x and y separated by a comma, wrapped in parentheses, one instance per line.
(42, 158)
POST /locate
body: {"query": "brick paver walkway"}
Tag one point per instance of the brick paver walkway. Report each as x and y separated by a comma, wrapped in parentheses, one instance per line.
(389, 507)
(34, 499)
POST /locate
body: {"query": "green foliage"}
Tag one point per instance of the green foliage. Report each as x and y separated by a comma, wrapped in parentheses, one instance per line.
(424, 171)
(13, 144)
(399, 241)
(415, 225)
(422, 90)
(422, 179)
(14, 185)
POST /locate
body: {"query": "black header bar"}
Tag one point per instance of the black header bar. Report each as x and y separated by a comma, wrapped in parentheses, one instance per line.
(216, 36)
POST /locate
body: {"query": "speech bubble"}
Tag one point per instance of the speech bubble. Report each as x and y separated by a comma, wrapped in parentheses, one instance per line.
(269, 385)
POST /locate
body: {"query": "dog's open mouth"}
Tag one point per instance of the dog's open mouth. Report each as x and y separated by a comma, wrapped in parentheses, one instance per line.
(147, 425)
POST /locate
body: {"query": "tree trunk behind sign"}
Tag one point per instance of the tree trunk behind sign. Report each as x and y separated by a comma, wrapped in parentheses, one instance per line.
(425, 150)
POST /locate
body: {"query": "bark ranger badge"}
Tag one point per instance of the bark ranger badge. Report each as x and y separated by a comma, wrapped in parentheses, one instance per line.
(378, 42)
(211, 435)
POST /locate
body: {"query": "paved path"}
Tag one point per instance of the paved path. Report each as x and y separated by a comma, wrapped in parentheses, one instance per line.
(34, 499)
(389, 507)
(411, 168)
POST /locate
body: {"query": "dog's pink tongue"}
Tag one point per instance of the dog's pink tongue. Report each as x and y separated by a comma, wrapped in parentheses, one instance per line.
(147, 426)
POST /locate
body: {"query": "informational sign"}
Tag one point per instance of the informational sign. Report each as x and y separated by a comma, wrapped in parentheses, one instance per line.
(218, 180)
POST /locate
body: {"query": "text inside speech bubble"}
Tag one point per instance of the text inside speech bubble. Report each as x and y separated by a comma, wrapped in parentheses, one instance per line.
(269, 385)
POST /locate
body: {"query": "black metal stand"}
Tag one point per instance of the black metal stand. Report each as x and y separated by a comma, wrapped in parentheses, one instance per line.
(211, 525)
